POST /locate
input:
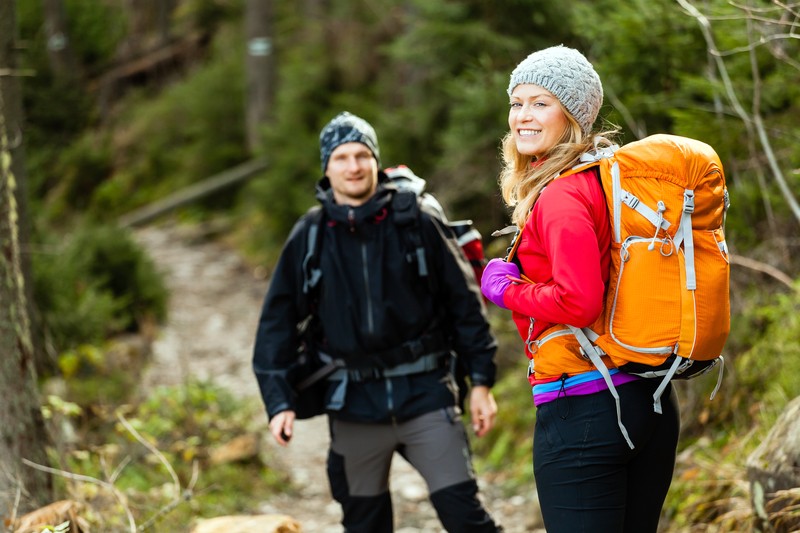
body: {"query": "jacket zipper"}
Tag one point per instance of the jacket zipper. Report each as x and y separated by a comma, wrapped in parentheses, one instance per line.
(365, 269)
(351, 219)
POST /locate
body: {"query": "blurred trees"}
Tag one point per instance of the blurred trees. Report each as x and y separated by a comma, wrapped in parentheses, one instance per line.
(259, 69)
(431, 77)
(59, 47)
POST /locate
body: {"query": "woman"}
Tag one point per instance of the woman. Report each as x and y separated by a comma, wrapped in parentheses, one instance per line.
(587, 476)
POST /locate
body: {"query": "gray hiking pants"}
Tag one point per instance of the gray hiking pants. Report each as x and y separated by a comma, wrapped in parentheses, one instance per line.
(435, 444)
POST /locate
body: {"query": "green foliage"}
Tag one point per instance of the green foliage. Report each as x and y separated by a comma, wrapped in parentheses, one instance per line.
(81, 166)
(755, 392)
(634, 48)
(185, 424)
(98, 283)
(505, 453)
(187, 134)
(95, 30)
(205, 15)
(769, 369)
(57, 111)
(709, 488)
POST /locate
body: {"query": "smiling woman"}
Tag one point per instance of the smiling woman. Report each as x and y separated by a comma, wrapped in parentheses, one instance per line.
(536, 119)
(586, 475)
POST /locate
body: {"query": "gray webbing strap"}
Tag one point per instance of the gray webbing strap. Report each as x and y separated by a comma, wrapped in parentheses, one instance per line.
(426, 363)
(594, 356)
(719, 377)
(337, 400)
(664, 382)
(684, 236)
(634, 203)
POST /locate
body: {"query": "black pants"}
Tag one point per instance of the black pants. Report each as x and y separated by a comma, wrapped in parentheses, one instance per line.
(588, 478)
(435, 444)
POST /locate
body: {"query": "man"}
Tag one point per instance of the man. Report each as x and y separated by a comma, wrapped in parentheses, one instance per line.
(395, 300)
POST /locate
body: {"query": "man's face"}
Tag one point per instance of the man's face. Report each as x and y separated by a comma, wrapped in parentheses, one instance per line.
(353, 173)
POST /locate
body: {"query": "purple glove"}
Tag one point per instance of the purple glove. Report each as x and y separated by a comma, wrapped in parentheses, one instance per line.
(495, 280)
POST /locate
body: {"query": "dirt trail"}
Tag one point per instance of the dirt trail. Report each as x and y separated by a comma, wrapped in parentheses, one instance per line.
(214, 306)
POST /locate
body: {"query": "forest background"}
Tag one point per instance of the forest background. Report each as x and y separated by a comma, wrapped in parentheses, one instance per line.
(111, 105)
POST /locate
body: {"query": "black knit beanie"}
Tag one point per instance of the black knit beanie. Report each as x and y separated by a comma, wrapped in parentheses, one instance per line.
(344, 128)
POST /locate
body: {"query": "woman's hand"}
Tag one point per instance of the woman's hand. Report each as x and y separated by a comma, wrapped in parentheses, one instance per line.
(497, 276)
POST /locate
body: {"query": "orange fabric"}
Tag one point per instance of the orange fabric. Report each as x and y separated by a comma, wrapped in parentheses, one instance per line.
(554, 356)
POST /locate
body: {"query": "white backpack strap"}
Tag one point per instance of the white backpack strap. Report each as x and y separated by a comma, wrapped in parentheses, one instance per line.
(592, 336)
(664, 382)
(616, 198)
(656, 218)
(594, 356)
(471, 235)
(719, 377)
(684, 236)
(599, 153)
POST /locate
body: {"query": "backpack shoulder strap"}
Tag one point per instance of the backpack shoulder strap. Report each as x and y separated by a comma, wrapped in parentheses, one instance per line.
(578, 168)
(405, 213)
(405, 207)
(315, 230)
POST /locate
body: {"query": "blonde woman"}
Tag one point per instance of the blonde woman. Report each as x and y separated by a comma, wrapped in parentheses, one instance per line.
(587, 476)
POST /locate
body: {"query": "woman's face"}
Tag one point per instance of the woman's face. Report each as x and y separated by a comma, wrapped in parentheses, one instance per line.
(536, 119)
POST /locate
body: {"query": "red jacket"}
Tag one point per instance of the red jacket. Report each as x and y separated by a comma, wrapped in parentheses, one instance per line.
(565, 252)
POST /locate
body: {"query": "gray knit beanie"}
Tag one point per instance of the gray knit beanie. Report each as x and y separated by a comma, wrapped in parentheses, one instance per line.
(344, 128)
(567, 74)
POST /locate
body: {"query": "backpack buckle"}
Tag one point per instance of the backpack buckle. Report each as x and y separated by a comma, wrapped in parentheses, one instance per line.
(416, 348)
(688, 201)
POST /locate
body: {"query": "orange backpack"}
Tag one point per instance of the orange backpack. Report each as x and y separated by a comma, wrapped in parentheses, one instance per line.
(667, 309)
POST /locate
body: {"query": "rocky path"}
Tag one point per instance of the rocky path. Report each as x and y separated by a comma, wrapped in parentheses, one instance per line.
(215, 301)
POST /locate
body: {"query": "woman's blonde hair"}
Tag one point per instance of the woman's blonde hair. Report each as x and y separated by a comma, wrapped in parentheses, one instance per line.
(524, 176)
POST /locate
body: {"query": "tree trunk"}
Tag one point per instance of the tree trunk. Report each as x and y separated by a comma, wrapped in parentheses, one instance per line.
(260, 67)
(22, 433)
(11, 93)
(59, 48)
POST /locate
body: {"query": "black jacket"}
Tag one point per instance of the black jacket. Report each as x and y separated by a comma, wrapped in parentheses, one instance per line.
(370, 300)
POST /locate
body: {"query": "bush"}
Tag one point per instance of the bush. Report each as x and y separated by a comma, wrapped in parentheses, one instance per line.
(98, 284)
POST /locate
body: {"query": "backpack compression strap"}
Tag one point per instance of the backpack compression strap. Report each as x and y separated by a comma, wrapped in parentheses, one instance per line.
(594, 354)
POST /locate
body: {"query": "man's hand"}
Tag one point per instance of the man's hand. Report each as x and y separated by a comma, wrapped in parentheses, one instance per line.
(281, 427)
(483, 409)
